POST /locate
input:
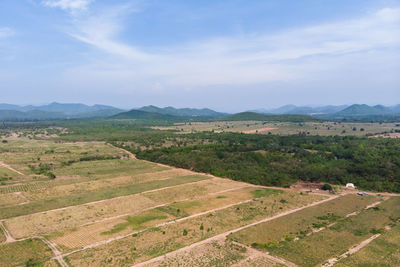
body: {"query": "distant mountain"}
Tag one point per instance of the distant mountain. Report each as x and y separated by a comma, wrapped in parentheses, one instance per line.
(365, 110)
(69, 109)
(142, 115)
(4, 106)
(14, 115)
(304, 110)
(55, 111)
(184, 112)
(253, 116)
(395, 109)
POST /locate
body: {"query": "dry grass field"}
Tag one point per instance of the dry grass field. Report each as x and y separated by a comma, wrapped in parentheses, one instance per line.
(105, 208)
(284, 128)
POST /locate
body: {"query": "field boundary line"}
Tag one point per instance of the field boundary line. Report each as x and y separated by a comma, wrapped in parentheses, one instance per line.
(56, 252)
(351, 251)
(355, 213)
(234, 231)
(103, 200)
(2, 164)
(161, 205)
(158, 225)
(9, 238)
(254, 253)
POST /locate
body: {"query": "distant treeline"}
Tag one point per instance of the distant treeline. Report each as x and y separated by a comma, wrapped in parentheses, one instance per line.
(369, 163)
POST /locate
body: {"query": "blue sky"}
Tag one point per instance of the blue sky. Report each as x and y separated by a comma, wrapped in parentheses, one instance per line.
(228, 55)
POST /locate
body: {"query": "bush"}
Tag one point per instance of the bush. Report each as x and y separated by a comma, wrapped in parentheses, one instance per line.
(327, 187)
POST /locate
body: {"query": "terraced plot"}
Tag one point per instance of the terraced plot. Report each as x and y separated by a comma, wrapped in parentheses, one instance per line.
(383, 251)
(157, 241)
(302, 223)
(336, 239)
(104, 210)
(113, 227)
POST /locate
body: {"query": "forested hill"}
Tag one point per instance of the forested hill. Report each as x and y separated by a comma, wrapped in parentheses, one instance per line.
(184, 112)
(369, 163)
(143, 115)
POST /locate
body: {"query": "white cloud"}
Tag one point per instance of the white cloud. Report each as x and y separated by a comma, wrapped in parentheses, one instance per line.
(69, 5)
(101, 29)
(292, 55)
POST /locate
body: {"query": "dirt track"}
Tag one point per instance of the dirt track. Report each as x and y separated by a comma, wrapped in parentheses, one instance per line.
(259, 130)
(2, 164)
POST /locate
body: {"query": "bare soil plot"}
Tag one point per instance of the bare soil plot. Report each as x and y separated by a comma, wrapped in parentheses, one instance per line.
(139, 171)
(60, 220)
(193, 190)
(94, 185)
(158, 241)
(105, 193)
(25, 252)
(216, 253)
(336, 240)
(12, 199)
(303, 222)
(73, 216)
(22, 153)
(383, 251)
(2, 236)
(285, 128)
(107, 168)
(260, 130)
(106, 229)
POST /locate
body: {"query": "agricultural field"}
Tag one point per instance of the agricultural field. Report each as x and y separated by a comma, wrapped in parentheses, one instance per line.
(105, 207)
(285, 128)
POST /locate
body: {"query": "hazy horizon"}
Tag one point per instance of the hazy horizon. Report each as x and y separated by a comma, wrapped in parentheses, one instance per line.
(225, 55)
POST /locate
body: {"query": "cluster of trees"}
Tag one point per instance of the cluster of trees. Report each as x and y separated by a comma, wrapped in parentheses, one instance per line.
(369, 163)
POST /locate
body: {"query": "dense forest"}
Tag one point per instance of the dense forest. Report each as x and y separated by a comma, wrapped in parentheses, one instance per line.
(369, 163)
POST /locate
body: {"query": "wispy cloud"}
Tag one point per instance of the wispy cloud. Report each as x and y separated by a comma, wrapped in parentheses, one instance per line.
(69, 5)
(290, 55)
(101, 30)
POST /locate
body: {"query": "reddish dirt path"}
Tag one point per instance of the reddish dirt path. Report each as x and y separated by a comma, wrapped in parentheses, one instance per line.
(259, 130)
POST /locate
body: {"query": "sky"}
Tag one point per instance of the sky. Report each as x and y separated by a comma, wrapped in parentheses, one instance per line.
(229, 55)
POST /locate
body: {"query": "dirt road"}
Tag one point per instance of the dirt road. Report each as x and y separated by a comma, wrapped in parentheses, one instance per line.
(2, 164)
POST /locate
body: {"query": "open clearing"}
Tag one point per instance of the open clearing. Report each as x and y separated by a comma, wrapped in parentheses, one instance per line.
(104, 207)
(285, 128)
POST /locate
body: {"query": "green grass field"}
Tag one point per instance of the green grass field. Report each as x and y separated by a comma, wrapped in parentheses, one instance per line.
(31, 252)
(383, 251)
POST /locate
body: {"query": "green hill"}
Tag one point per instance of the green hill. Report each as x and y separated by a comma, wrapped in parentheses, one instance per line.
(142, 115)
(365, 110)
(184, 112)
(253, 116)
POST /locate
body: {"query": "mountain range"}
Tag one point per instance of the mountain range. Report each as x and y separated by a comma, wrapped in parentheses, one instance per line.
(340, 110)
(53, 111)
